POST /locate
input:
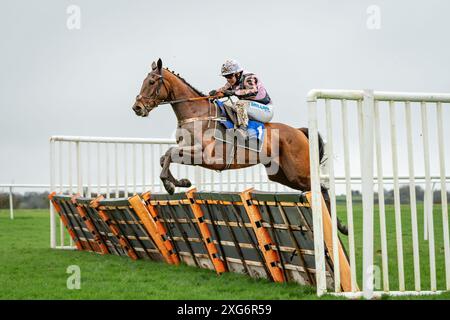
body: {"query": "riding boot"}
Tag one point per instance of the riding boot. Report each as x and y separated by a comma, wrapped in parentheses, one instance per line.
(242, 133)
(241, 113)
(231, 114)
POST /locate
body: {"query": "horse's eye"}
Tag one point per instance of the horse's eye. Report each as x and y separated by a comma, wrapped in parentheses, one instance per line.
(151, 81)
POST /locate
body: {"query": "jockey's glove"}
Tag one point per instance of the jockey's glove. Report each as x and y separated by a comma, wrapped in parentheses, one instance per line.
(228, 93)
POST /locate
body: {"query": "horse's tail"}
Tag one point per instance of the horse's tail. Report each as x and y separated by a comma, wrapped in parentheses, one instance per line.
(321, 145)
(342, 227)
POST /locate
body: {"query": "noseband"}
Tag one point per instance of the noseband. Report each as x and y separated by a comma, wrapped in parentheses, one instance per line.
(155, 99)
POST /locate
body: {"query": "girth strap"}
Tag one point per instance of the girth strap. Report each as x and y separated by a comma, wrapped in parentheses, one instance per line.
(211, 118)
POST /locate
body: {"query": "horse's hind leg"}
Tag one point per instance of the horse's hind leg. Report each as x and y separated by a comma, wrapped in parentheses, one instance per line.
(295, 167)
(326, 197)
(302, 183)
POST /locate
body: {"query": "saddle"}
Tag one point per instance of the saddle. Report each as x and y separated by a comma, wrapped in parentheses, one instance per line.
(226, 130)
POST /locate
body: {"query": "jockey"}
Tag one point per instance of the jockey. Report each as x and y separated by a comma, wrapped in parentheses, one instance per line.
(254, 101)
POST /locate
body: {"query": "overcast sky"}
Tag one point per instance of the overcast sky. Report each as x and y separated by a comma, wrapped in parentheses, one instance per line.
(56, 81)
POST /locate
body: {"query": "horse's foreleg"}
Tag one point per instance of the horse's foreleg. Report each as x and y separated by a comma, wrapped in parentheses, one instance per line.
(168, 174)
(183, 153)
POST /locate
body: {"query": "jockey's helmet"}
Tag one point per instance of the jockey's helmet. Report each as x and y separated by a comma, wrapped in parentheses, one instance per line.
(231, 67)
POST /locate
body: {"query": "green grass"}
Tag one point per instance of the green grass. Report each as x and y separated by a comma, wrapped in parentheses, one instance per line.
(30, 270)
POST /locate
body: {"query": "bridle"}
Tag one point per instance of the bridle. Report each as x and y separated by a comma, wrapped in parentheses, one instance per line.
(158, 101)
(154, 99)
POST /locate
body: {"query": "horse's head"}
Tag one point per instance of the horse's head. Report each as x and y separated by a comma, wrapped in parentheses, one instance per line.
(153, 91)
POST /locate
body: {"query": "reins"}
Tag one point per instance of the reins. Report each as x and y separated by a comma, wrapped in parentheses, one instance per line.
(158, 91)
(187, 100)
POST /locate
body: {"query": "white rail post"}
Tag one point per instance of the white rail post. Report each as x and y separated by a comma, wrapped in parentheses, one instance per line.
(59, 176)
(428, 205)
(107, 171)
(332, 194)
(116, 170)
(125, 171)
(134, 168)
(144, 187)
(52, 212)
(152, 170)
(412, 196)
(11, 208)
(98, 170)
(348, 193)
(316, 196)
(367, 192)
(381, 201)
(397, 206)
(198, 177)
(88, 169)
(443, 193)
(78, 168)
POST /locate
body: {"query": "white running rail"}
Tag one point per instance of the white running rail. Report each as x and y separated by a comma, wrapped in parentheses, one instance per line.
(123, 166)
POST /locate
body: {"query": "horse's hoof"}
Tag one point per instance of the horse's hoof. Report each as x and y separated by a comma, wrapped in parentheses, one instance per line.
(343, 230)
(185, 183)
(169, 186)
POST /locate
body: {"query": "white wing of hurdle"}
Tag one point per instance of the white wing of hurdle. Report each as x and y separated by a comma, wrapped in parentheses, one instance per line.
(368, 118)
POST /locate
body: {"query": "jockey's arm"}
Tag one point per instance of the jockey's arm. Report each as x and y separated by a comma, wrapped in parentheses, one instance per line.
(220, 92)
(227, 86)
(250, 87)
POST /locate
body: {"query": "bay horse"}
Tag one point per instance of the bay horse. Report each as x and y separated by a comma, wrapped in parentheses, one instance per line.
(284, 154)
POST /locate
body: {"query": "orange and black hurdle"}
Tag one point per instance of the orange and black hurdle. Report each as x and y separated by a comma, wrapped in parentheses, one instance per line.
(261, 234)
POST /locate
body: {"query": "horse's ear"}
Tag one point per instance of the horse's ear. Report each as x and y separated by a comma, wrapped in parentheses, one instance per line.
(159, 64)
(154, 65)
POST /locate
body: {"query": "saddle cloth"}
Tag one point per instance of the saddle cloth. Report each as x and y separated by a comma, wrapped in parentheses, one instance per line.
(225, 132)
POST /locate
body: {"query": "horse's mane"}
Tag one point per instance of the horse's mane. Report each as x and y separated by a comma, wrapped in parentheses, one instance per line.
(187, 83)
